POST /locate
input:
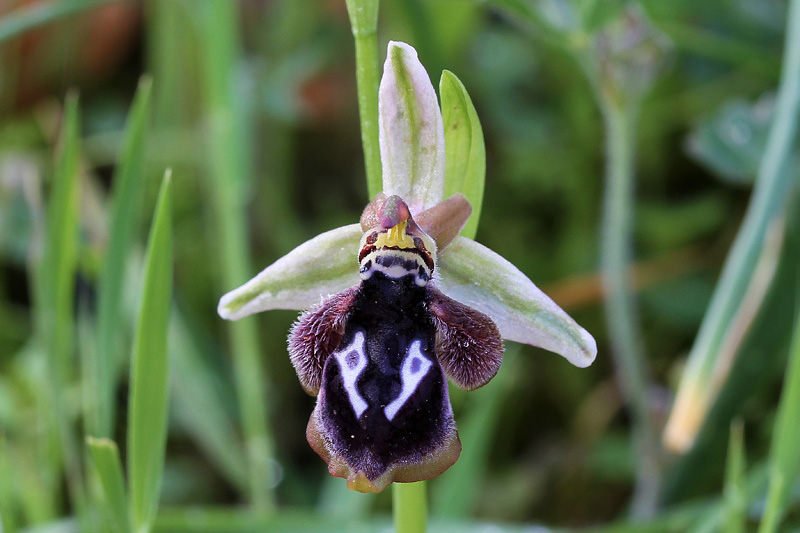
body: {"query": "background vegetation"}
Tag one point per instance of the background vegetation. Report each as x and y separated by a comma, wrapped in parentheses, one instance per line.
(253, 106)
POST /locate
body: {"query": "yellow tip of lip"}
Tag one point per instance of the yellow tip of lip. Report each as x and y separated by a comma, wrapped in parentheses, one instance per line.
(396, 237)
(360, 483)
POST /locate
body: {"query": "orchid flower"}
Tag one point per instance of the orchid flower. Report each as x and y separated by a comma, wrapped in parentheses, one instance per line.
(399, 301)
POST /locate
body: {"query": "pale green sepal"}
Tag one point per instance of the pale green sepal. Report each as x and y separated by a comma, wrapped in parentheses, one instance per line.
(324, 265)
(410, 131)
(465, 167)
(478, 277)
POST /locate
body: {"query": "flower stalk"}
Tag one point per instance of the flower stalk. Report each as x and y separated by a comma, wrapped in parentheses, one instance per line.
(620, 307)
(621, 66)
(364, 23)
(410, 507)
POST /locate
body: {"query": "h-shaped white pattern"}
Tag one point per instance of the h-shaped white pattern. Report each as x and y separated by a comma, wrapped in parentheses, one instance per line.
(415, 367)
(352, 362)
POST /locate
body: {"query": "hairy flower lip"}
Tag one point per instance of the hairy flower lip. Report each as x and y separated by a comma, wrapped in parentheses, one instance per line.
(410, 130)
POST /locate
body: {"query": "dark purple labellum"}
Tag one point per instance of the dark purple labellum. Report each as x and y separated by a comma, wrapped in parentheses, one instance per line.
(377, 355)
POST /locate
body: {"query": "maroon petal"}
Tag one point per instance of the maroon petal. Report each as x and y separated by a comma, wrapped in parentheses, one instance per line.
(445, 220)
(468, 344)
(316, 334)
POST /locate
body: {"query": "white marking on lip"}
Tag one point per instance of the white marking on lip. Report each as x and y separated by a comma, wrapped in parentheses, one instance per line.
(395, 271)
(352, 361)
(415, 368)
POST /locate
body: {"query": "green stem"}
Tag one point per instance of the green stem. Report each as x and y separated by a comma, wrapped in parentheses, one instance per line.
(410, 507)
(227, 169)
(620, 118)
(35, 15)
(364, 24)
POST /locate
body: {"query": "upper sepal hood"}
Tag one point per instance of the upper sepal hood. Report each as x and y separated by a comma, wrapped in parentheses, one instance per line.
(410, 130)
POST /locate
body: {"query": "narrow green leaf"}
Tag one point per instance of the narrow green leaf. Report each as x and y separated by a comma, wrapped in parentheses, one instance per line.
(59, 258)
(701, 380)
(55, 295)
(465, 153)
(228, 179)
(147, 426)
(734, 492)
(760, 362)
(105, 458)
(126, 206)
(784, 459)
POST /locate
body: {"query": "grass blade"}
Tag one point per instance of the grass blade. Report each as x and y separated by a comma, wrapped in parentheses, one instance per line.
(55, 296)
(56, 272)
(465, 153)
(698, 388)
(105, 457)
(784, 459)
(734, 492)
(753, 374)
(147, 426)
(228, 177)
(126, 206)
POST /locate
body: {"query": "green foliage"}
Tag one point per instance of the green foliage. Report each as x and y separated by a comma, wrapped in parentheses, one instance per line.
(105, 459)
(465, 154)
(784, 460)
(734, 490)
(732, 141)
(227, 177)
(147, 428)
(55, 293)
(129, 187)
(254, 105)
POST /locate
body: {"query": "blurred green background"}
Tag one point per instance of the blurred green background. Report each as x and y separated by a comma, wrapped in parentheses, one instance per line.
(254, 107)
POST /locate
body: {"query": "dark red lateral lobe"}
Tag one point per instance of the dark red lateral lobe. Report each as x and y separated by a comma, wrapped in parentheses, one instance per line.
(468, 343)
(316, 335)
